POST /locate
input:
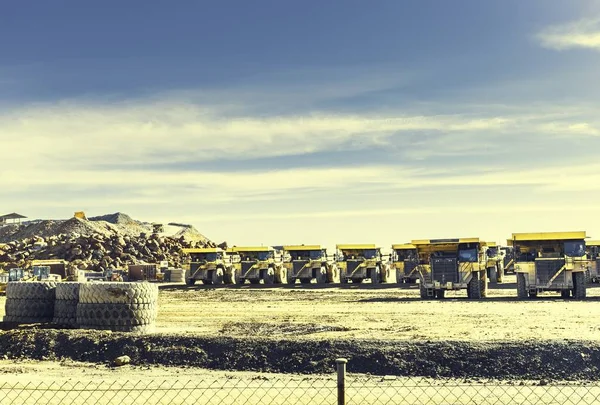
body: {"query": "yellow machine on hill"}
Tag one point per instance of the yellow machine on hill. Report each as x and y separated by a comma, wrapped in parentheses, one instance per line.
(551, 261)
(14, 274)
(307, 263)
(260, 263)
(495, 262)
(451, 264)
(360, 262)
(404, 259)
(210, 265)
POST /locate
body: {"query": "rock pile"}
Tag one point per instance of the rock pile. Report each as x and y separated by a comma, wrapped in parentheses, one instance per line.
(98, 245)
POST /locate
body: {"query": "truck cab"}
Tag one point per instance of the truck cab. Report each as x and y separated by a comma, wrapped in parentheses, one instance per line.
(212, 266)
(260, 263)
(495, 262)
(307, 263)
(451, 264)
(551, 261)
(361, 262)
(404, 260)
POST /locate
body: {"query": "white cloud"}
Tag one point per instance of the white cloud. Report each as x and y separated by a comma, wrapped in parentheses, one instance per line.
(584, 33)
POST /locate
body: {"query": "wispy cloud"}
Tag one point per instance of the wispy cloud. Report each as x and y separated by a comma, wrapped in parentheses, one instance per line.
(583, 33)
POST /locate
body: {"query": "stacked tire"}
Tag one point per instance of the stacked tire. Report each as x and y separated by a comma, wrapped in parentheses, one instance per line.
(30, 302)
(177, 276)
(65, 305)
(117, 306)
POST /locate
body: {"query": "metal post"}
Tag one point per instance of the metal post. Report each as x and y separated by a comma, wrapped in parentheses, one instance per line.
(341, 380)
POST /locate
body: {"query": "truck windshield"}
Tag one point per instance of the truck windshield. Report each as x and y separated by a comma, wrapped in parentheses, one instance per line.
(467, 255)
(492, 252)
(209, 257)
(370, 254)
(315, 254)
(265, 255)
(575, 248)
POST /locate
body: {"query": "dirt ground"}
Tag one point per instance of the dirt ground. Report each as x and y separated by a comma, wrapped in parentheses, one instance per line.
(379, 312)
(383, 330)
(32, 382)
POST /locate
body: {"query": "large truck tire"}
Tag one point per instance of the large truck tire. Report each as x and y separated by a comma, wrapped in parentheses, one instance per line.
(116, 314)
(333, 274)
(29, 308)
(217, 277)
(289, 275)
(475, 287)
(34, 290)
(118, 293)
(423, 291)
(150, 328)
(68, 291)
(483, 284)
(281, 275)
(375, 275)
(229, 276)
(188, 280)
(269, 276)
(493, 274)
(579, 287)
(521, 286)
(322, 275)
(385, 274)
(24, 320)
(399, 276)
(500, 271)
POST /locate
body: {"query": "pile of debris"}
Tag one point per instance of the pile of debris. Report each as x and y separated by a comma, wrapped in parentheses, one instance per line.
(101, 243)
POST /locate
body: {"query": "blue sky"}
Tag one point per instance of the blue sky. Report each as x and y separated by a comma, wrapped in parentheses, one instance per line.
(306, 122)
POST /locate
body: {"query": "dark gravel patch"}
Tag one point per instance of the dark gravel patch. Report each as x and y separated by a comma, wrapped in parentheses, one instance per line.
(558, 360)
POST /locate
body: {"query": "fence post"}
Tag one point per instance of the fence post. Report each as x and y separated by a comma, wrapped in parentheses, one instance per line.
(341, 380)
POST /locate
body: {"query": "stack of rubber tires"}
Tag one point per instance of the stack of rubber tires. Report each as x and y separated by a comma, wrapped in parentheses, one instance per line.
(117, 306)
(65, 305)
(30, 301)
(177, 276)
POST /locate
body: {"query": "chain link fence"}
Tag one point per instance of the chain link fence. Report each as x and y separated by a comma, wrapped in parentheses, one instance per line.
(343, 390)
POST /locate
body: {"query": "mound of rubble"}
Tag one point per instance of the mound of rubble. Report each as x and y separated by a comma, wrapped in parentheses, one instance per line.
(100, 243)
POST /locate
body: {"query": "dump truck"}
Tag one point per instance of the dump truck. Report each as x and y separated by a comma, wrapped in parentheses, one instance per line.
(212, 266)
(260, 263)
(404, 260)
(307, 263)
(495, 262)
(362, 262)
(593, 254)
(451, 264)
(550, 261)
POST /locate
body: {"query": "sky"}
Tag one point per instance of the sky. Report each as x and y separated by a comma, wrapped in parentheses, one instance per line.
(316, 122)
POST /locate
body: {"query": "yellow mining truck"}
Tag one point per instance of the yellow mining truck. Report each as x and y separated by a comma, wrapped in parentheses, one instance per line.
(593, 253)
(212, 266)
(262, 263)
(550, 261)
(404, 259)
(451, 264)
(361, 262)
(307, 263)
(495, 262)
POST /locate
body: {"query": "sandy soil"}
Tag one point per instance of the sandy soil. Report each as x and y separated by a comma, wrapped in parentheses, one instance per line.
(373, 312)
(30, 382)
(379, 312)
